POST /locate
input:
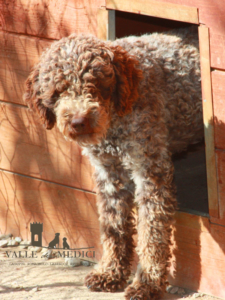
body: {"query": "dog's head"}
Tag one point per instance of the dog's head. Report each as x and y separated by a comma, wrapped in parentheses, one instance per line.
(78, 81)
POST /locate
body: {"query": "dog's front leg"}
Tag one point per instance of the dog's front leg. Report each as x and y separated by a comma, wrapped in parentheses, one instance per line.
(115, 204)
(156, 205)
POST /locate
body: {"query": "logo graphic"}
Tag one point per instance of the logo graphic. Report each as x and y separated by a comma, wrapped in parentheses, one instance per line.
(54, 242)
(36, 230)
(65, 244)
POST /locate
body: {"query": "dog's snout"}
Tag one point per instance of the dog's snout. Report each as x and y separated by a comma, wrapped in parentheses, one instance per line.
(79, 124)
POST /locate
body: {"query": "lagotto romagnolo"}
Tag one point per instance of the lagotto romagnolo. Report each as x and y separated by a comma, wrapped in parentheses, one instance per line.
(130, 104)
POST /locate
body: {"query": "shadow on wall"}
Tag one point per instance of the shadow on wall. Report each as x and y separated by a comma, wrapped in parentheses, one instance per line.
(33, 161)
(43, 177)
(50, 19)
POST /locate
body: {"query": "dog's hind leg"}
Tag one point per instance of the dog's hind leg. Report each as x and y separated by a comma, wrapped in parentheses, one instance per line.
(115, 204)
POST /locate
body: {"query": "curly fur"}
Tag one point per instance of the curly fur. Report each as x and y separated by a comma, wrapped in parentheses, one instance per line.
(130, 104)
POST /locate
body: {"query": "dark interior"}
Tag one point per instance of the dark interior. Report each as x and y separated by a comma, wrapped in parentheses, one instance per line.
(135, 24)
(190, 179)
(190, 166)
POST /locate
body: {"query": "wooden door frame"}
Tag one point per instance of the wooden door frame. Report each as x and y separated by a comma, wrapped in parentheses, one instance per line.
(106, 30)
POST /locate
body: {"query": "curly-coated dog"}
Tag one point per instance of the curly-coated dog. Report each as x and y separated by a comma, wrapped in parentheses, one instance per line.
(130, 104)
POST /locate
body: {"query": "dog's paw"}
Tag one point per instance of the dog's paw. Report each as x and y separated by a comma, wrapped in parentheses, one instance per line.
(105, 282)
(141, 292)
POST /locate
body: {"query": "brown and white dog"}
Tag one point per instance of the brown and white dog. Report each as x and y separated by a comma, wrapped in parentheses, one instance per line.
(130, 104)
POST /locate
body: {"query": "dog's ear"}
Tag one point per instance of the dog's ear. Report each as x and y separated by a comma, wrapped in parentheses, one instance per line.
(37, 101)
(128, 77)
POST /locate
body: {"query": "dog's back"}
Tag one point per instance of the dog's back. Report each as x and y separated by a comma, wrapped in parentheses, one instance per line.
(170, 64)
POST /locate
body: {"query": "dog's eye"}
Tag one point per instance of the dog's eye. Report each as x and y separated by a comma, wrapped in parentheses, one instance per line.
(66, 116)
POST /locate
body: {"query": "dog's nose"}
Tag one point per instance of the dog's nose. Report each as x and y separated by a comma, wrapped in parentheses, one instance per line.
(79, 124)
